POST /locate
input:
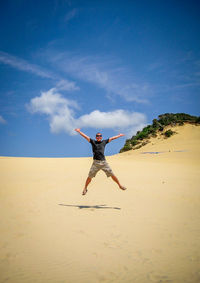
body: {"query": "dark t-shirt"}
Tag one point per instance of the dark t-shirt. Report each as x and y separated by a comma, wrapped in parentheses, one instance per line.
(98, 148)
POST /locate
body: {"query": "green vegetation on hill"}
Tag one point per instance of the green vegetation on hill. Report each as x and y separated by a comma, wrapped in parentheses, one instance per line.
(158, 125)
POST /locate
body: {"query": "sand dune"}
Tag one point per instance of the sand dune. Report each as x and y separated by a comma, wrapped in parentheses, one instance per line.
(148, 233)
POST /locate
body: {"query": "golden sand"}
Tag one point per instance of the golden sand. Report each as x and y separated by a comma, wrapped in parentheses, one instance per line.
(50, 233)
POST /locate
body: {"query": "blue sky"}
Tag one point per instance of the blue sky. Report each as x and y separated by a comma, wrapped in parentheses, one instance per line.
(109, 66)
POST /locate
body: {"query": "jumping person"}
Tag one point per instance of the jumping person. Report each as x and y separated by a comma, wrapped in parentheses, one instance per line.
(99, 161)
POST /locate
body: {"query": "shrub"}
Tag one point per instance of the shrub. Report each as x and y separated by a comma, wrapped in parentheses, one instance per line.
(134, 142)
(142, 135)
(159, 125)
(168, 133)
(126, 147)
(198, 120)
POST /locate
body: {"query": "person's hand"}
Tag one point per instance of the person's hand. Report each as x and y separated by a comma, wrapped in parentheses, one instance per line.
(121, 135)
(78, 130)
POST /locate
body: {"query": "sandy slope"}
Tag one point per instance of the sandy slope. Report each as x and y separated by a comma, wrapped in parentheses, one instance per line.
(150, 233)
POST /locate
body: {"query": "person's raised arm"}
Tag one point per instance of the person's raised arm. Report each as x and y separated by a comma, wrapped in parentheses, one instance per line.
(116, 137)
(82, 134)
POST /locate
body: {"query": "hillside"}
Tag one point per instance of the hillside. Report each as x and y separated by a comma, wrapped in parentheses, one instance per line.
(149, 233)
(163, 127)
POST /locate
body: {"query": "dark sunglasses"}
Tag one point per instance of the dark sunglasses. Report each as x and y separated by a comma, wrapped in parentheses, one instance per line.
(98, 135)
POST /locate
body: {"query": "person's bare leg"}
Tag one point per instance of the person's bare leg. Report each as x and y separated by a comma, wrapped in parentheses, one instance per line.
(118, 183)
(86, 184)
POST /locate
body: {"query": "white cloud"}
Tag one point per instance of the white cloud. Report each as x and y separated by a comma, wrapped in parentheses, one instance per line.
(2, 120)
(119, 120)
(114, 119)
(71, 14)
(61, 115)
(103, 72)
(58, 109)
(66, 85)
(23, 65)
(50, 103)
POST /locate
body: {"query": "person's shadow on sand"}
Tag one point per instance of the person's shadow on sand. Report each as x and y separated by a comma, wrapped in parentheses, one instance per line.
(102, 206)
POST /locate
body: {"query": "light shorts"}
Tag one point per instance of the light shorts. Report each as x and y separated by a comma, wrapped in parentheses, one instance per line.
(100, 165)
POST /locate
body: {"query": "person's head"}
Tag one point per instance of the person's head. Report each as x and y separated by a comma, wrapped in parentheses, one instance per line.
(98, 136)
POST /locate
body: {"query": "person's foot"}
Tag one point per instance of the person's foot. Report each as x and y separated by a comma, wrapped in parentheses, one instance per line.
(84, 192)
(122, 188)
